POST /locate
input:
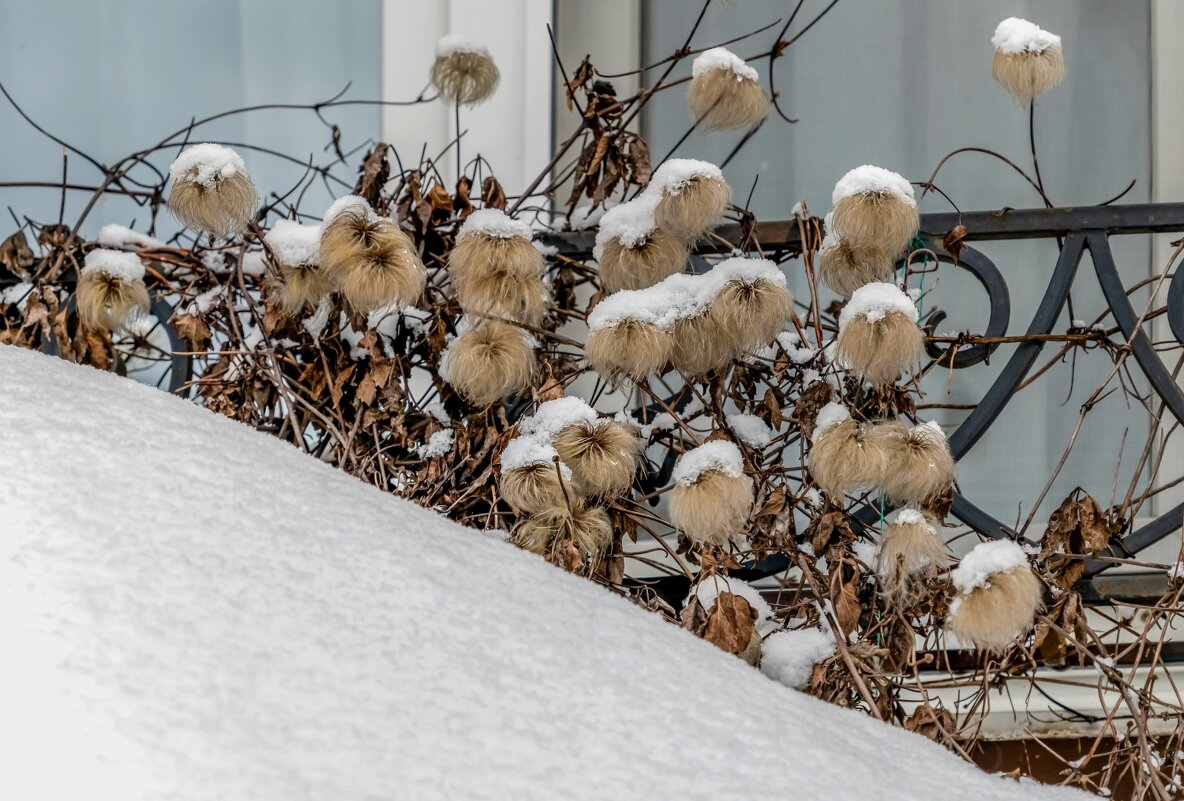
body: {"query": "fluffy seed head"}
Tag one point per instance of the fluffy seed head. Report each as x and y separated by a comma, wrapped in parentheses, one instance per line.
(714, 509)
(911, 554)
(111, 289)
(588, 527)
(463, 71)
(499, 293)
(479, 252)
(990, 617)
(1025, 75)
(1028, 59)
(877, 219)
(105, 301)
(489, 361)
(693, 208)
(724, 94)
(750, 314)
(303, 286)
(880, 351)
(211, 190)
(532, 488)
(701, 345)
(920, 465)
(603, 456)
(629, 349)
(662, 254)
(845, 268)
(846, 457)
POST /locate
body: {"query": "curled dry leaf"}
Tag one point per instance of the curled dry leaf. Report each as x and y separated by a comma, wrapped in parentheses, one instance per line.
(730, 623)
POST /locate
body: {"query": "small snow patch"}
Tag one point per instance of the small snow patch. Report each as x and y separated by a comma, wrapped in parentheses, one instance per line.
(457, 43)
(720, 58)
(984, 561)
(1014, 35)
(206, 164)
(752, 430)
(120, 237)
(875, 302)
(294, 244)
(789, 656)
(494, 223)
(114, 264)
(718, 455)
(871, 179)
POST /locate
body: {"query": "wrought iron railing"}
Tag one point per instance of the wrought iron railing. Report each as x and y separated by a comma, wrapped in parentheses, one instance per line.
(1077, 231)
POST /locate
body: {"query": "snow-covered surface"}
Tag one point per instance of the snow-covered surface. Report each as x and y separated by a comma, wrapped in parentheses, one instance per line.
(875, 302)
(494, 223)
(194, 610)
(1014, 35)
(789, 656)
(754, 431)
(718, 455)
(629, 223)
(114, 263)
(213, 163)
(985, 560)
(457, 43)
(293, 243)
(709, 589)
(831, 414)
(674, 174)
(721, 58)
(121, 237)
(869, 178)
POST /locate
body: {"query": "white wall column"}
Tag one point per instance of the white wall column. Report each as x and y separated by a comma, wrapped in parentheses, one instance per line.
(511, 130)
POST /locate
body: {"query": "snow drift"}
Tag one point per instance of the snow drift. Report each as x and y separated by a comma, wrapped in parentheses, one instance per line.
(193, 610)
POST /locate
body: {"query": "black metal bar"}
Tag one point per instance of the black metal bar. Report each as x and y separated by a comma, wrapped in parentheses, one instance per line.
(993, 403)
(1138, 218)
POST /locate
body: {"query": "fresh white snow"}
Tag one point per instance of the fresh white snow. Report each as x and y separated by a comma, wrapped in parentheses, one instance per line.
(789, 656)
(114, 263)
(1014, 35)
(875, 302)
(194, 610)
(985, 560)
(719, 455)
(457, 43)
(720, 58)
(681, 295)
(829, 415)
(629, 223)
(869, 178)
(754, 431)
(674, 174)
(213, 163)
(494, 223)
(120, 237)
(293, 243)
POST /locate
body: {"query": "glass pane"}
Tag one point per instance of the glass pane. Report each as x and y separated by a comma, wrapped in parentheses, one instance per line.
(115, 77)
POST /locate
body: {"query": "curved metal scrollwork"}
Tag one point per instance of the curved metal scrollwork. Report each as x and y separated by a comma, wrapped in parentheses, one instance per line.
(985, 272)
